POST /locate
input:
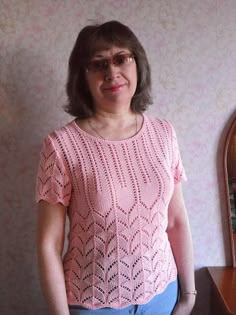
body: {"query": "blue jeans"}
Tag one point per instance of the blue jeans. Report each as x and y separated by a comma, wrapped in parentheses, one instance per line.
(161, 304)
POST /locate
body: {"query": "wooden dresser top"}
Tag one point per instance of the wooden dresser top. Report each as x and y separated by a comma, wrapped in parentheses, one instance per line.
(224, 280)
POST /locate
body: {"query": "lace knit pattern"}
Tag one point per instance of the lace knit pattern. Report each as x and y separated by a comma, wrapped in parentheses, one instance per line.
(117, 195)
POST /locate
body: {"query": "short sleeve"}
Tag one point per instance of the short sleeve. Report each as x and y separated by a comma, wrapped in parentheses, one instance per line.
(52, 182)
(177, 165)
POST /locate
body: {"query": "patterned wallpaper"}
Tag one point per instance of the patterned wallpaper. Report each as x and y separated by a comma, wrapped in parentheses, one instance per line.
(191, 47)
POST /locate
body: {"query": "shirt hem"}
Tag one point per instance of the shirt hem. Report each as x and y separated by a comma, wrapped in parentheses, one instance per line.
(125, 305)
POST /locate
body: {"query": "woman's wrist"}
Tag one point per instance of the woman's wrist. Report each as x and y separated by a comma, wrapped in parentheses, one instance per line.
(188, 296)
(189, 292)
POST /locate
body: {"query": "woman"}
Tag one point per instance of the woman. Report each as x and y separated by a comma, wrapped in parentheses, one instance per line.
(117, 174)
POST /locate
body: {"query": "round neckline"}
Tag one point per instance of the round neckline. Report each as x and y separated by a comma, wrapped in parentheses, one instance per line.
(88, 135)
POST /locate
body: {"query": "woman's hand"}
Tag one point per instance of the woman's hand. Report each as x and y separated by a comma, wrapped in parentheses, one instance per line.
(184, 305)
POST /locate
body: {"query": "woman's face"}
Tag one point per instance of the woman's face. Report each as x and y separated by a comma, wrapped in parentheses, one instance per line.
(112, 78)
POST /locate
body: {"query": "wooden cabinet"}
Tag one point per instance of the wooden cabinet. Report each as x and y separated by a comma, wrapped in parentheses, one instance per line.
(223, 290)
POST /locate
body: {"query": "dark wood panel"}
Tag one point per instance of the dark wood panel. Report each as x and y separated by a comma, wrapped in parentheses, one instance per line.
(223, 299)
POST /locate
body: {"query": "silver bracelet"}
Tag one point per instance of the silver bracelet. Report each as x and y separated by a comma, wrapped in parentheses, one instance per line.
(194, 292)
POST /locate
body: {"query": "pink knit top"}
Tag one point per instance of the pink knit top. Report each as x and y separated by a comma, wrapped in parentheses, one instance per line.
(117, 195)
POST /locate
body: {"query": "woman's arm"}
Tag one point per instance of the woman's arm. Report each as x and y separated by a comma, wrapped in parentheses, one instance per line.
(181, 242)
(50, 242)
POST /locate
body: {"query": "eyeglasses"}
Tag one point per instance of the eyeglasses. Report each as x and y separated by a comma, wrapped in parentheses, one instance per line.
(102, 65)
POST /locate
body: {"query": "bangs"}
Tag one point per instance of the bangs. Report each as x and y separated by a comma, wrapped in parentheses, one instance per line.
(106, 36)
(102, 44)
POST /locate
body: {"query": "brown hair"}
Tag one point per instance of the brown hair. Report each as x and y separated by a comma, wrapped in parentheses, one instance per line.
(91, 39)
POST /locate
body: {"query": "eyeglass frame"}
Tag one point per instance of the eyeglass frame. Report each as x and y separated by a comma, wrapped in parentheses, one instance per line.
(107, 62)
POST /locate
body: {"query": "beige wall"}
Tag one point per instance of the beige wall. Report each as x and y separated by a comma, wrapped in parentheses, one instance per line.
(191, 46)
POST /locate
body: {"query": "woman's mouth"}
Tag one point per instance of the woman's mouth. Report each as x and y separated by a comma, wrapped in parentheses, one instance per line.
(115, 88)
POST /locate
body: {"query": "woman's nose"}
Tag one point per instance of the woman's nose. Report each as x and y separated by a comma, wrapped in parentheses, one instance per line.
(111, 72)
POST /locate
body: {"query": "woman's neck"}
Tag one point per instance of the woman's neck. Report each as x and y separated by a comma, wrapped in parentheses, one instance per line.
(112, 125)
(114, 119)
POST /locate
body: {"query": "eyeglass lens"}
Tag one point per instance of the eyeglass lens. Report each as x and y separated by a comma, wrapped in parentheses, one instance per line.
(103, 64)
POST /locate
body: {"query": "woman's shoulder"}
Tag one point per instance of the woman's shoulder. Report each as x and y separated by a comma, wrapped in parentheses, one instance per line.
(159, 123)
(57, 138)
(63, 131)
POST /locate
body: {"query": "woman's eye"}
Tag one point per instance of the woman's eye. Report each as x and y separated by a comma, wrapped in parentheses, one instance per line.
(98, 64)
(102, 64)
(120, 60)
